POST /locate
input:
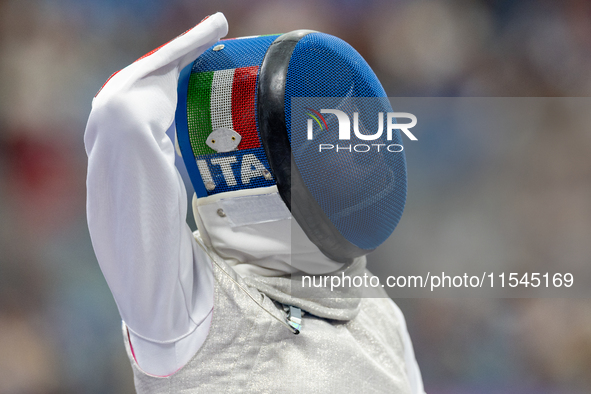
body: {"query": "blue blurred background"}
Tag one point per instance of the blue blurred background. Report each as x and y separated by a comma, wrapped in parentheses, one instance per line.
(59, 326)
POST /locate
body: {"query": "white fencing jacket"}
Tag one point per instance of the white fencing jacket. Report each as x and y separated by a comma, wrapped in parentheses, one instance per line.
(160, 277)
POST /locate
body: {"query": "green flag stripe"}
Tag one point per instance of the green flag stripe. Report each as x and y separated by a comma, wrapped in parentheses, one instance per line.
(198, 111)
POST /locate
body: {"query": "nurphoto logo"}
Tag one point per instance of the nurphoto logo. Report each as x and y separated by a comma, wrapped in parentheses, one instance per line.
(345, 130)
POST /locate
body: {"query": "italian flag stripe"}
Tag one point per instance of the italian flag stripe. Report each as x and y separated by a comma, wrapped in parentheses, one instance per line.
(198, 111)
(243, 113)
(223, 98)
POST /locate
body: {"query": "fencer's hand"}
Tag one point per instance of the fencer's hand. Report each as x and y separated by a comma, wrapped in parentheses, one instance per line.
(145, 91)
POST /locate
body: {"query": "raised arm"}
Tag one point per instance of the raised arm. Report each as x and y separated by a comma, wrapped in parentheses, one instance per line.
(136, 204)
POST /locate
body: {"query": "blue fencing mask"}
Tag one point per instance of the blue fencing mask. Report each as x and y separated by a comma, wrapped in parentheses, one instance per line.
(303, 111)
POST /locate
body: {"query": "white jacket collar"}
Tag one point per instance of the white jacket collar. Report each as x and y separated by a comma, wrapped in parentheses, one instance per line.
(254, 231)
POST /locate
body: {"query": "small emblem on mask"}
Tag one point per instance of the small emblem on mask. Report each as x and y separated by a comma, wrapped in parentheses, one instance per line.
(223, 140)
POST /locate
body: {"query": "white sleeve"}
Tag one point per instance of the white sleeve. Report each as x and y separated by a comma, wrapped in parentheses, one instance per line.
(136, 204)
(412, 367)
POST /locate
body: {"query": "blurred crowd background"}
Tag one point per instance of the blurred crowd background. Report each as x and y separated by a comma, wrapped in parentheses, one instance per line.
(59, 326)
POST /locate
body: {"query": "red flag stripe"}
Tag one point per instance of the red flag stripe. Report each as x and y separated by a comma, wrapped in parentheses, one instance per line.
(243, 106)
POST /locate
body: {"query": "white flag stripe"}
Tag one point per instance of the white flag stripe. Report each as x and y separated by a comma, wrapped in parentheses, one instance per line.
(221, 99)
